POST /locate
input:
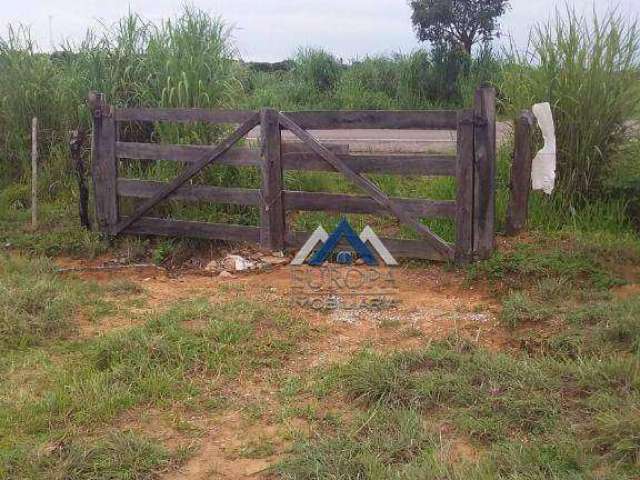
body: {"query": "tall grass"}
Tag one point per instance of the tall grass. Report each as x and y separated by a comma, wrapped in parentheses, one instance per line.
(189, 61)
(369, 83)
(317, 68)
(422, 79)
(28, 87)
(589, 71)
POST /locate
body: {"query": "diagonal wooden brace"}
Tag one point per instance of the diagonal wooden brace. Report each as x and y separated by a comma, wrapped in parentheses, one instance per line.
(189, 173)
(439, 245)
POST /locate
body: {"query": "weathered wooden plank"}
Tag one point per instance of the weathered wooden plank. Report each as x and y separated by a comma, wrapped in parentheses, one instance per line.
(299, 147)
(295, 157)
(188, 173)
(464, 195)
(485, 170)
(272, 229)
(181, 115)
(182, 228)
(399, 248)
(104, 164)
(375, 119)
(520, 184)
(432, 165)
(189, 193)
(369, 187)
(239, 157)
(313, 201)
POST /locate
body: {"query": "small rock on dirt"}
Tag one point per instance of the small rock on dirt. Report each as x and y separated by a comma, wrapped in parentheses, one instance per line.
(212, 266)
(237, 263)
(265, 267)
(225, 274)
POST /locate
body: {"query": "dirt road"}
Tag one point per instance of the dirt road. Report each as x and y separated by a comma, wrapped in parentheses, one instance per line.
(392, 141)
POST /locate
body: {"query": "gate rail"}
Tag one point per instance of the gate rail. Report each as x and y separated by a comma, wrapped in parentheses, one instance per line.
(473, 166)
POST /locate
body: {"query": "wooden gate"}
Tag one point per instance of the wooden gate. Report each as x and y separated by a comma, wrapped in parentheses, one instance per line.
(473, 165)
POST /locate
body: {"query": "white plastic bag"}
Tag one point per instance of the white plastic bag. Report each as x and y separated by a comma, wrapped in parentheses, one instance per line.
(543, 168)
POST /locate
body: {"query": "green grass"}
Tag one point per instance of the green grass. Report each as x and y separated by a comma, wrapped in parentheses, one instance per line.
(59, 231)
(117, 455)
(518, 307)
(562, 401)
(559, 402)
(569, 261)
(525, 417)
(57, 388)
(51, 383)
(38, 305)
(187, 61)
(120, 60)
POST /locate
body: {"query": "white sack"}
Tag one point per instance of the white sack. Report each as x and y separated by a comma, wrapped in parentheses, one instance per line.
(543, 168)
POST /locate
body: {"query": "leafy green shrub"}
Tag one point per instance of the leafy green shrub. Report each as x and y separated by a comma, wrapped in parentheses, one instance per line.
(371, 83)
(317, 68)
(430, 78)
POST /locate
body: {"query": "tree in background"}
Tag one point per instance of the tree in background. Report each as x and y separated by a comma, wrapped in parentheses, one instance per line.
(460, 23)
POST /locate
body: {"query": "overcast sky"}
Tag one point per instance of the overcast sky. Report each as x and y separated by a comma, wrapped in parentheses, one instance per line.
(271, 30)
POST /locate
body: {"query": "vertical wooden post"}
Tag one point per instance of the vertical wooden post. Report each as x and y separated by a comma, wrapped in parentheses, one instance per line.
(34, 173)
(520, 185)
(464, 196)
(104, 166)
(272, 223)
(485, 171)
(76, 143)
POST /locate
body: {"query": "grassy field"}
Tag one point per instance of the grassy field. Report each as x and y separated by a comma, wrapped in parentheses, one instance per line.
(114, 377)
(524, 366)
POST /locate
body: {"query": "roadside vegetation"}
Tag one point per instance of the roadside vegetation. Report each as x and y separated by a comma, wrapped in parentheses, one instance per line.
(557, 397)
(62, 391)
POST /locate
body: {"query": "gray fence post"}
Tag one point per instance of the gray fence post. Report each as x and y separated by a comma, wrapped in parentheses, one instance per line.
(104, 166)
(272, 222)
(485, 172)
(520, 185)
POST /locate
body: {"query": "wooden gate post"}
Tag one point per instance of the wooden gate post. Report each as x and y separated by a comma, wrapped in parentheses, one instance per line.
(520, 174)
(464, 196)
(104, 166)
(484, 173)
(272, 223)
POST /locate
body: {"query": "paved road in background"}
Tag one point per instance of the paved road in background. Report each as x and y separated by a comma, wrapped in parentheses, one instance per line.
(391, 141)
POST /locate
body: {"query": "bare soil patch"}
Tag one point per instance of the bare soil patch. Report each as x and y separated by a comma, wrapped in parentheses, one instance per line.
(433, 304)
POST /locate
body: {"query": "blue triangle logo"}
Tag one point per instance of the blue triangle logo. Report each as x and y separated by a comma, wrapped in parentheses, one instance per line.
(345, 230)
